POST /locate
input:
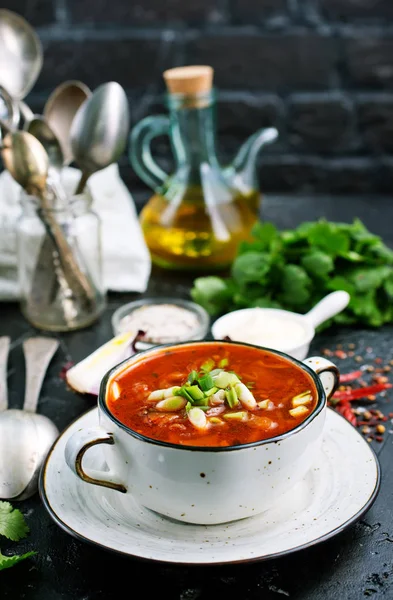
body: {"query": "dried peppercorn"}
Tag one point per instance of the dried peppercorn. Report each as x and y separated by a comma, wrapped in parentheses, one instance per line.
(345, 399)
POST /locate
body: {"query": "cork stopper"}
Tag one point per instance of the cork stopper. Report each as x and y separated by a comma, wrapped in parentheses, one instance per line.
(190, 80)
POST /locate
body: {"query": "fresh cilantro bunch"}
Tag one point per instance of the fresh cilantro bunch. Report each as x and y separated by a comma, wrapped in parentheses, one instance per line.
(294, 269)
(12, 526)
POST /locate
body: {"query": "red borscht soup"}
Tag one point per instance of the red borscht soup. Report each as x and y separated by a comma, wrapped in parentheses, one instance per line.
(211, 394)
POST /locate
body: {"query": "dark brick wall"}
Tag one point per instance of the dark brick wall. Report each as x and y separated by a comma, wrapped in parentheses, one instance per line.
(321, 71)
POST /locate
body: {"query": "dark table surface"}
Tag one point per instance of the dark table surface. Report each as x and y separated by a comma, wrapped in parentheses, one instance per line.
(356, 563)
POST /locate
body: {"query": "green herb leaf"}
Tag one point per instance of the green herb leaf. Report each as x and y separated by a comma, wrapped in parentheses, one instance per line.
(14, 527)
(6, 562)
(251, 267)
(213, 293)
(294, 269)
(317, 263)
(296, 285)
(12, 523)
(328, 237)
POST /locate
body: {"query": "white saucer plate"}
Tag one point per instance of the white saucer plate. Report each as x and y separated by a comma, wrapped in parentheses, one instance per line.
(339, 489)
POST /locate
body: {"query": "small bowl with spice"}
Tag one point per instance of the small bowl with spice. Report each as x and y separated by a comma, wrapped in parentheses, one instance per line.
(163, 321)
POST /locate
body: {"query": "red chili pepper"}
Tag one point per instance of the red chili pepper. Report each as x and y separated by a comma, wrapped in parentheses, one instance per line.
(358, 393)
(346, 411)
(350, 376)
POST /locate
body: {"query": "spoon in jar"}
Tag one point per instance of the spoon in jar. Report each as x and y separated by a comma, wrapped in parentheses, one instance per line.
(99, 131)
(40, 129)
(26, 115)
(45, 279)
(27, 161)
(60, 110)
(25, 436)
(9, 112)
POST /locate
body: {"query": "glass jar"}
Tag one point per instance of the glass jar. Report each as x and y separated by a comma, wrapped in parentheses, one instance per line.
(60, 264)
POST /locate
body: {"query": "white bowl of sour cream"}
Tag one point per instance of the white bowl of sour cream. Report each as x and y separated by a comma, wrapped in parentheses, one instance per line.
(282, 330)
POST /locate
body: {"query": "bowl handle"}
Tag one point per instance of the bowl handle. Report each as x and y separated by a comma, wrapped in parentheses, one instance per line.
(326, 371)
(75, 449)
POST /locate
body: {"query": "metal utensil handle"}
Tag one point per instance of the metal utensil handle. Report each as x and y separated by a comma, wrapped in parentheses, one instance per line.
(48, 275)
(77, 280)
(38, 352)
(82, 183)
(4, 351)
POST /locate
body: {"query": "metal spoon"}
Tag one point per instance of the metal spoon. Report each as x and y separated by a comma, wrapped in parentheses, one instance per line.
(25, 437)
(26, 115)
(9, 111)
(47, 271)
(40, 129)
(21, 54)
(99, 131)
(60, 110)
(25, 158)
(27, 161)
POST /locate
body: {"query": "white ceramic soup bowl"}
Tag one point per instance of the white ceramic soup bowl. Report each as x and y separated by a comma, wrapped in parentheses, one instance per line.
(203, 485)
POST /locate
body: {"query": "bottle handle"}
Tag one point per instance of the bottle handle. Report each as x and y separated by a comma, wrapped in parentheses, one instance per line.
(140, 150)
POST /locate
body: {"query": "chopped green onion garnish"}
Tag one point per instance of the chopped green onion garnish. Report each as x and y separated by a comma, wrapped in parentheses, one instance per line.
(207, 366)
(172, 404)
(188, 406)
(202, 402)
(233, 373)
(206, 382)
(210, 392)
(183, 392)
(238, 416)
(224, 379)
(195, 392)
(231, 397)
(223, 363)
(193, 376)
(215, 372)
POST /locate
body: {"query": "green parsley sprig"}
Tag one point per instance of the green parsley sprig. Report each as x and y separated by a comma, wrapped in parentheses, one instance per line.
(14, 527)
(294, 269)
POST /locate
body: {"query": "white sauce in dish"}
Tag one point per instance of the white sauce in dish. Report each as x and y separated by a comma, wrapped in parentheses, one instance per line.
(263, 329)
(162, 323)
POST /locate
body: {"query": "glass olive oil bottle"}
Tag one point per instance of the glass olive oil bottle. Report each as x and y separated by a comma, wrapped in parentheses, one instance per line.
(199, 214)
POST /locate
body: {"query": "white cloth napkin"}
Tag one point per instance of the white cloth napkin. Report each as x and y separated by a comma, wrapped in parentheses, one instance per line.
(126, 259)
